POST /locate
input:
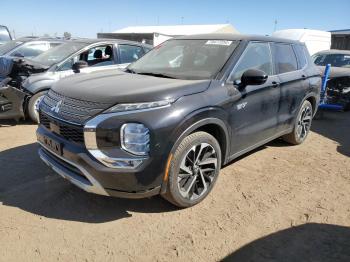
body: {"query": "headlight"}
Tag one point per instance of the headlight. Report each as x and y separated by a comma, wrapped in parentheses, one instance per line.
(138, 106)
(135, 138)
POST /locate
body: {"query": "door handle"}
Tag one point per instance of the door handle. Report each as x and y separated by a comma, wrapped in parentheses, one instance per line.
(275, 84)
(303, 77)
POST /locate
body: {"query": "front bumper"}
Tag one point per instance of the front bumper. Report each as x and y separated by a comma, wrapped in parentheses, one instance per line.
(80, 168)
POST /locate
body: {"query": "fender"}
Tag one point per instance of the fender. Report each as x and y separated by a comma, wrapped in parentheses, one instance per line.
(194, 121)
(316, 97)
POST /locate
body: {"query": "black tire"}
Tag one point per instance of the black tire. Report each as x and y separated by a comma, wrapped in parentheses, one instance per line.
(204, 171)
(347, 107)
(302, 125)
(32, 104)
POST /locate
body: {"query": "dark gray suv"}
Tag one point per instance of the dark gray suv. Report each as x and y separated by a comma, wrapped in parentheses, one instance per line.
(170, 121)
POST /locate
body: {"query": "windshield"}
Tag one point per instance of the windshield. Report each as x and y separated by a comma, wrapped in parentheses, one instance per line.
(336, 60)
(58, 53)
(185, 59)
(5, 48)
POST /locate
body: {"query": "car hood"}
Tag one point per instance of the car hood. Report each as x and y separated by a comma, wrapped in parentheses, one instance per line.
(115, 86)
(336, 71)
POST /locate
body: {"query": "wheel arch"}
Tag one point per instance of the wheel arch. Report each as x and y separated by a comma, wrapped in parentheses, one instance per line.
(215, 126)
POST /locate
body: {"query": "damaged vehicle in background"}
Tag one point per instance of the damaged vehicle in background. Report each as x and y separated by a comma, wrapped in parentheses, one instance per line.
(338, 85)
(26, 81)
(28, 47)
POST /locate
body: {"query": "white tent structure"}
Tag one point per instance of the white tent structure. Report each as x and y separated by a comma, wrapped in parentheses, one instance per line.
(315, 40)
(157, 34)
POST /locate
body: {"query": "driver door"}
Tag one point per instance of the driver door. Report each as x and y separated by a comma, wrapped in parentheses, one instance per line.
(254, 116)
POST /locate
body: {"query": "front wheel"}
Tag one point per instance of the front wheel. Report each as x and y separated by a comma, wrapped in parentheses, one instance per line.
(194, 169)
(33, 106)
(302, 125)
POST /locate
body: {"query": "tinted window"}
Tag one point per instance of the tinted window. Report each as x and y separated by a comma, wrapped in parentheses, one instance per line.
(336, 60)
(256, 56)
(285, 58)
(301, 55)
(129, 53)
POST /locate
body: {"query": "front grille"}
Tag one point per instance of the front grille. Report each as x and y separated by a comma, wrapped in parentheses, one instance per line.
(68, 131)
(71, 109)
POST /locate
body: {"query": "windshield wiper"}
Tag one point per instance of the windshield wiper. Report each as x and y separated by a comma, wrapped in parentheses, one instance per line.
(156, 74)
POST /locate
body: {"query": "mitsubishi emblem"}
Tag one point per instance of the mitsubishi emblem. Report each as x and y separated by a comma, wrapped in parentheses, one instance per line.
(56, 108)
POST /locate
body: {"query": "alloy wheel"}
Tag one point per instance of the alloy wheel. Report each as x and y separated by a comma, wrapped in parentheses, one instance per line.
(304, 122)
(197, 171)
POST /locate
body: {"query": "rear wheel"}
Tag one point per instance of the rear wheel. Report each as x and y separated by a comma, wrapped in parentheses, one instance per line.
(33, 106)
(193, 169)
(302, 125)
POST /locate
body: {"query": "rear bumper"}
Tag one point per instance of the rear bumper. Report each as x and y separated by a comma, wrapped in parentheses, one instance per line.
(76, 165)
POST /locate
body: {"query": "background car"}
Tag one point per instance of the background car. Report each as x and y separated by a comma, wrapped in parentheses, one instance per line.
(28, 47)
(338, 85)
(28, 80)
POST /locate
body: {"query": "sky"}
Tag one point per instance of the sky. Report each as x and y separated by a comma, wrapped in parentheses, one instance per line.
(89, 17)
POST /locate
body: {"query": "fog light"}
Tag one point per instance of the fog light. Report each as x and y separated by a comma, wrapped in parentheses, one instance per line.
(135, 138)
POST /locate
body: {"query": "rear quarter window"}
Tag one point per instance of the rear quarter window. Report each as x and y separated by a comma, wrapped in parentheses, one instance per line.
(285, 58)
(301, 56)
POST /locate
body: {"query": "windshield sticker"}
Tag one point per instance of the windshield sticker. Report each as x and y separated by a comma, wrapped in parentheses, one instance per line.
(219, 42)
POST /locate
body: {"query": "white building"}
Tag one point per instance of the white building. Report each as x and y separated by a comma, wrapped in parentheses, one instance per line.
(157, 34)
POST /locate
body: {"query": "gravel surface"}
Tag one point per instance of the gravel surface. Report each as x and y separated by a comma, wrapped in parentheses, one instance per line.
(278, 203)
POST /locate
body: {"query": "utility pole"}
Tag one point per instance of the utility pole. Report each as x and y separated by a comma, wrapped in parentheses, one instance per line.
(182, 20)
(275, 26)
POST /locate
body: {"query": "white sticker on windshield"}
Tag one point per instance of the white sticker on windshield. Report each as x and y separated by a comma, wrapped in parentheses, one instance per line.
(218, 42)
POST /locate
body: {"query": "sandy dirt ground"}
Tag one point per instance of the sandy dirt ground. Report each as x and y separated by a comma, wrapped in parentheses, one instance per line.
(278, 203)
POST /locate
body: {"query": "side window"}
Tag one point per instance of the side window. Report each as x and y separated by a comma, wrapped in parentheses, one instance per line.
(99, 56)
(95, 56)
(69, 63)
(301, 55)
(256, 56)
(318, 59)
(285, 58)
(130, 53)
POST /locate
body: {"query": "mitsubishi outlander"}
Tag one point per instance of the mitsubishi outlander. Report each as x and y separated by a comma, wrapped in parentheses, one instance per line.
(168, 122)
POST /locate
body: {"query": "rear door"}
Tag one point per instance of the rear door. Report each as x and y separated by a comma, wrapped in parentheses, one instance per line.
(293, 82)
(253, 118)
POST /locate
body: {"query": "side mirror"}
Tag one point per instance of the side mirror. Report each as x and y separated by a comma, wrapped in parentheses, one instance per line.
(253, 77)
(77, 66)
